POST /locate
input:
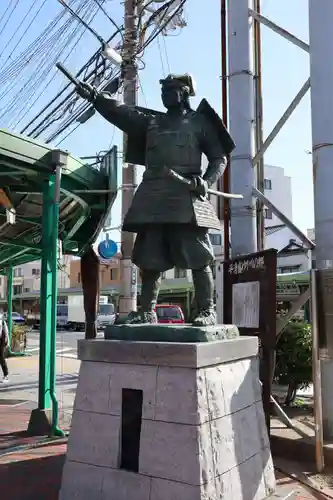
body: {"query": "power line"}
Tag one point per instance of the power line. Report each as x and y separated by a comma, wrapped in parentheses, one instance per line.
(70, 120)
(52, 75)
(24, 34)
(57, 43)
(9, 17)
(144, 46)
(6, 10)
(166, 53)
(109, 17)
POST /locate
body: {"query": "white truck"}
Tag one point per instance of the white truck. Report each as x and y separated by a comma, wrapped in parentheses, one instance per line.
(76, 317)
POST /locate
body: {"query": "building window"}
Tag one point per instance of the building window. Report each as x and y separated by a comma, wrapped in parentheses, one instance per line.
(268, 184)
(79, 277)
(287, 269)
(180, 273)
(163, 275)
(268, 213)
(17, 289)
(18, 272)
(113, 274)
(215, 239)
(35, 272)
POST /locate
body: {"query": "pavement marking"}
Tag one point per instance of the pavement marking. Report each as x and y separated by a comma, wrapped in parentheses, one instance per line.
(58, 351)
(69, 355)
(65, 349)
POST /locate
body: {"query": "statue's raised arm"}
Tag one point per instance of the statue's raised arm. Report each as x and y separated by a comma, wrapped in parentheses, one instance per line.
(127, 118)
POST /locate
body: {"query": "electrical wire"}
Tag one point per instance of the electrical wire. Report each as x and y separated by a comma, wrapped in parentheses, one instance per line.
(9, 17)
(23, 35)
(6, 10)
(44, 64)
(75, 14)
(66, 87)
(157, 32)
(153, 36)
(16, 67)
(161, 58)
(67, 122)
(51, 79)
(166, 53)
(67, 135)
(109, 17)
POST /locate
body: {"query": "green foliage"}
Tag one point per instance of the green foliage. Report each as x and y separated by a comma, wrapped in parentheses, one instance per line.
(294, 358)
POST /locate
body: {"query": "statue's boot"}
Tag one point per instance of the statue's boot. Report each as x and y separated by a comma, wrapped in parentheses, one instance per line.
(150, 285)
(204, 291)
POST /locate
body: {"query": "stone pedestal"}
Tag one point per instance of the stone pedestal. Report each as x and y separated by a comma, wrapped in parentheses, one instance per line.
(168, 421)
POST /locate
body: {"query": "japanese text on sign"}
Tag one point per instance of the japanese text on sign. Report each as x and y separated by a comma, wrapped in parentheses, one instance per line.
(246, 304)
(241, 266)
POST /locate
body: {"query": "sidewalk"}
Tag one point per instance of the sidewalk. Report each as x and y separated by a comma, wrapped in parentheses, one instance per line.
(34, 472)
(36, 475)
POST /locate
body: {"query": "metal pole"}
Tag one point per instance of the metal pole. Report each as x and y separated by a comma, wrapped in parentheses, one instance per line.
(316, 370)
(259, 127)
(224, 183)
(44, 399)
(241, 124)
(283, 218)
(282, 323)
(283, 120)
(10, 275)
(321, 74)
(59, 160)
(128, 271)
(274, 27)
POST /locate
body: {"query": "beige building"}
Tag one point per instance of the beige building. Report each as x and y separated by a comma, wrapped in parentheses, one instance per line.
(109, 273)
(27, 277)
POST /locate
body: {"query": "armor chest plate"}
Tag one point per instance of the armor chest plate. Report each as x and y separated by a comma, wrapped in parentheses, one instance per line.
(173, 142)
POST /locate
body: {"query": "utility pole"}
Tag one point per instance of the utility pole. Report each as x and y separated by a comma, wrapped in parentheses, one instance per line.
(128, 271)
(241, 125)
(321, 78)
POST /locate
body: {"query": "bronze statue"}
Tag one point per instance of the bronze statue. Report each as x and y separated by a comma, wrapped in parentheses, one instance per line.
(170, 211)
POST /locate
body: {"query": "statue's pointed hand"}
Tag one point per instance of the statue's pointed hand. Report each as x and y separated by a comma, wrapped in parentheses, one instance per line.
(86, 91)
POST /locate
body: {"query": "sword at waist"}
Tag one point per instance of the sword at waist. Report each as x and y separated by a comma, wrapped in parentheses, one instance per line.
(183, 180)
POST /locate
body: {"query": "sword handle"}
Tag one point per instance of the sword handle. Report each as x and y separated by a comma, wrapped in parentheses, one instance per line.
(68, 75)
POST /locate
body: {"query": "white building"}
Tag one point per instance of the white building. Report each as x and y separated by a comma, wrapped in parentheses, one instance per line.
(292, 256)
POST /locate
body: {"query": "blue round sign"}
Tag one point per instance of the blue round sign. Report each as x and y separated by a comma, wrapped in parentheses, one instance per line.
(107, 248)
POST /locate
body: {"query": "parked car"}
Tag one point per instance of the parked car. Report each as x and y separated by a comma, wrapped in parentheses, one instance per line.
(166, 313)
(16, 318)
(169, 313)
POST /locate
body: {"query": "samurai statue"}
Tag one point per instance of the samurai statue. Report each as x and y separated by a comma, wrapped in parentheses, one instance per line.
(171, 218)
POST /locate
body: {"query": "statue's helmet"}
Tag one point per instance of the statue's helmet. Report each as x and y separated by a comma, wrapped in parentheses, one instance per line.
(185, 81)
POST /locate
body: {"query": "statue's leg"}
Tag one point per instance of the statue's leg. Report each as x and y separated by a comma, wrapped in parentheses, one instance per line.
(90, 286)
(150, 285)
(149, 256)
(151, 282)
(204, 290)
(192, 249)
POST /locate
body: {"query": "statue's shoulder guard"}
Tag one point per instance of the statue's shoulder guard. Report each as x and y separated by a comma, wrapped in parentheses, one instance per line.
(136, 144)
(210, 114)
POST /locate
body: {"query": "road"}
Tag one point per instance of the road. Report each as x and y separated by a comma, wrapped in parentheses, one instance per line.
(66, 345)
(22, 389)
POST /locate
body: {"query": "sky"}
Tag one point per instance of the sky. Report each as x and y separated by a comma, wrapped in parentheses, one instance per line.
(195, 50)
